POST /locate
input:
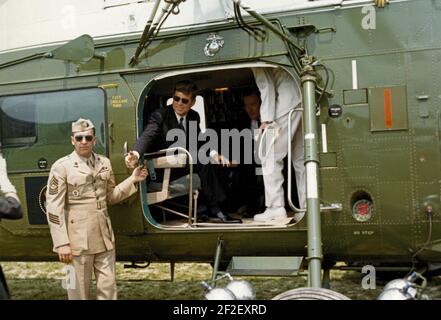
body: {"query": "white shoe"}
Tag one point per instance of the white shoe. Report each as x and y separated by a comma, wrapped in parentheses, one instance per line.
(271, 214)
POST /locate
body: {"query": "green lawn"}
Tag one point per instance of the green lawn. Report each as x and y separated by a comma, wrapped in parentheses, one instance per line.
(42, 281)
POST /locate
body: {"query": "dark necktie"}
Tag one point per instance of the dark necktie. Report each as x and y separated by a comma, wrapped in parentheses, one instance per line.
(181, 124)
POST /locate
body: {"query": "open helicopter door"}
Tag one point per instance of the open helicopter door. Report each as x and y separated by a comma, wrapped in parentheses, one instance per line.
(221, 89)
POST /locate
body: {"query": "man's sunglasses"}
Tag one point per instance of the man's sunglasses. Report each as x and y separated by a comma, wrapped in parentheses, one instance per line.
(184, 100)
(80, 138)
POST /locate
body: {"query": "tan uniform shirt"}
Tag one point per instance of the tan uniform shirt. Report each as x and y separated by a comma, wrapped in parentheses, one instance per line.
(77, 199)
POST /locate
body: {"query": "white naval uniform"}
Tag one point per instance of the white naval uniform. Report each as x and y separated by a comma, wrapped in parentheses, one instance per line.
(280, 94)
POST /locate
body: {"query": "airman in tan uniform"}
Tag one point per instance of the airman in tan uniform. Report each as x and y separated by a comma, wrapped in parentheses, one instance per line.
(80, 188)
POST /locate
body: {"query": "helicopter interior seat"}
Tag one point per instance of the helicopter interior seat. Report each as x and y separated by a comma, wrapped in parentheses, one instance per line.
(159, 192)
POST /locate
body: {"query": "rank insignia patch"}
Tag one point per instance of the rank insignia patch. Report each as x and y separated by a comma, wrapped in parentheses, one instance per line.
(54, 218)
(53, 186)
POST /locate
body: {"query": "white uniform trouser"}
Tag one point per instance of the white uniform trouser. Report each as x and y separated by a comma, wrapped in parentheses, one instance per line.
(280, 93)
(103, 266)
(272, 163)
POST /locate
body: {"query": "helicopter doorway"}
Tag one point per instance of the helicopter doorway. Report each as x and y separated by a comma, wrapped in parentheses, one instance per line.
(220, 106)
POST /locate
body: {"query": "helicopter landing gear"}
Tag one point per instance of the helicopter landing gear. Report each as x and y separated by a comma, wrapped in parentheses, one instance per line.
(326, 278)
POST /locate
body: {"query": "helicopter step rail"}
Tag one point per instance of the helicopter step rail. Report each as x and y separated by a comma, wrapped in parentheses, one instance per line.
(331, 207)
(265, 266)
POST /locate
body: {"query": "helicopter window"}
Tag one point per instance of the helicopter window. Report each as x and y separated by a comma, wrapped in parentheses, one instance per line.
(17, 121)
(44, 119)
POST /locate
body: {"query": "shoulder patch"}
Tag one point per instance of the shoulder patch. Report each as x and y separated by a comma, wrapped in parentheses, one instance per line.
(53, 186)
(60, 161)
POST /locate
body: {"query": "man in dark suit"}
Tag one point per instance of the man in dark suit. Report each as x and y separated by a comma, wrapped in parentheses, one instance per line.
(248, 180)
(179, 120)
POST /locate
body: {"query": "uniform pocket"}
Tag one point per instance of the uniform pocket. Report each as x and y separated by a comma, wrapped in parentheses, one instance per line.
(77, 232)
(76, 186)
(105, 175)
(77, 215)
(103, 178)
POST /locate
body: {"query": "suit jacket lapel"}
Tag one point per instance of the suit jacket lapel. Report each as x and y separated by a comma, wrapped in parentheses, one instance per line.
(172, 120)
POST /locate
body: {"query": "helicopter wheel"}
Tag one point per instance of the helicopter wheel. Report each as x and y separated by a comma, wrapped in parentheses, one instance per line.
(310, 294)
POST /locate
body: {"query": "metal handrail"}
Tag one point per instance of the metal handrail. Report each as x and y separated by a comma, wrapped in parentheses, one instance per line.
(297, 210)
(190, 192)
(332, 206)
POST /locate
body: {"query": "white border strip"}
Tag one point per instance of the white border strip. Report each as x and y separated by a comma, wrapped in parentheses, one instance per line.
(354, 75)
(311, 181)
(324, 139)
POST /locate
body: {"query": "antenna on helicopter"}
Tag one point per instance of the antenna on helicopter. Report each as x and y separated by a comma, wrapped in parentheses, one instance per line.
(78, 50)
(152, 29)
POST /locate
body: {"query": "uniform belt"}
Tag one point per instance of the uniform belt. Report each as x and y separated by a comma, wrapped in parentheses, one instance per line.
(101, 204)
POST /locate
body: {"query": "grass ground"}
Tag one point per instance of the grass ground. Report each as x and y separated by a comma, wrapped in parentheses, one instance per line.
(42, 281)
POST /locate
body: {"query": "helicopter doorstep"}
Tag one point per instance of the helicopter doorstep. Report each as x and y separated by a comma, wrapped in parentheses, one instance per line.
(368, 75)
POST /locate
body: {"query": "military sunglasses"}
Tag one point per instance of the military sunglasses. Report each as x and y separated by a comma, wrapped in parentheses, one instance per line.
(80, 138)
(184, 100)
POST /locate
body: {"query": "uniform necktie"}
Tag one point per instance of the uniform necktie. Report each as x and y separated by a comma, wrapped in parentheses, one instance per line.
(90, 164)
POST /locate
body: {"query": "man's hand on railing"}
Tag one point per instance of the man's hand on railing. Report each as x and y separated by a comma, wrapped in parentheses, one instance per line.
(131, 160)
(220, 159)
(139, 174)
(381, 3)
